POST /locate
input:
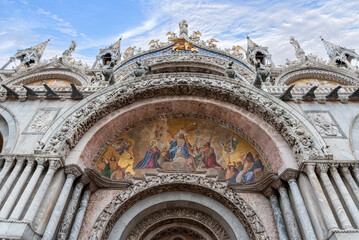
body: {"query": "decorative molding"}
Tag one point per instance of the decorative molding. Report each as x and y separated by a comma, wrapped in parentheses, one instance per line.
(104, 182)
(185, 214)
(257, 186)
(299, 134)
(177, 182)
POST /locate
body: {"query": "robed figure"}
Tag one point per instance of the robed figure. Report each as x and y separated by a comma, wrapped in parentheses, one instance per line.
(151, 157)
(179, 144)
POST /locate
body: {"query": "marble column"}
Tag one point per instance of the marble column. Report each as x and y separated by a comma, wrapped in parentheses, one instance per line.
(348, 176)
(355, 169)
(302, 213)
(76, 226)
(11, 179)
(20, 206)
(322, 170)
(282, 233)
(288, 214)
(72, 173)
(352, 208)
(39, 196)
(71, 209)
(9, 162)
(9, 204)
(324, 206)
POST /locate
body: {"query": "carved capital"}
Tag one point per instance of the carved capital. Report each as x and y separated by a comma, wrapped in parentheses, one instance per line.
(41, 161)
(9, 161)
(54, 164)
(268, 192)
(355, 168)
(278, 184)
(84, 180)
(334, 168)
(20, 160)
(30, 162)
(73, 171)
(322, 168)
(309, 168)
(290, 174)
(344, 168)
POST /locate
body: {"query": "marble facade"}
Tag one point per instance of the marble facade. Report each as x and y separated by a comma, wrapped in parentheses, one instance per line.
(302, 181)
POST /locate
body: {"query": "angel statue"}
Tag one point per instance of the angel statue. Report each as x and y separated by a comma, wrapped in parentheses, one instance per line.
(195, 37)
(183, 26)
(236, 51)
(67, 53)
(299, 52)
(154, 44)
(171, 35)
(211, 43)
(129, 52)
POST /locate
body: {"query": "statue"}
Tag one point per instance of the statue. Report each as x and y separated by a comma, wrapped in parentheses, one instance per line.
(67, 53)
(108, 73)
(183, 26)
(261, 76)
(154, 44)
(229, 71)
(171, 35)
(140, 71)
(211, 43)
(299, 52)
(237, 53)
(195, 37)
(129, 52)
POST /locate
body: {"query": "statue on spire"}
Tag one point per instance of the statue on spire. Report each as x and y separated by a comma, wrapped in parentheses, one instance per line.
(339, 55)
(29, 55)
(68, 52)
(256, 52)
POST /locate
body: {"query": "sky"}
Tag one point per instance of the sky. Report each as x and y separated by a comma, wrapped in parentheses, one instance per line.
(98, 24)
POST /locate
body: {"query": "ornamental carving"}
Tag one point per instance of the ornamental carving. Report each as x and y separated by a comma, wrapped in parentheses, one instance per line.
(300, 135)
(185, 213)
(177, 182)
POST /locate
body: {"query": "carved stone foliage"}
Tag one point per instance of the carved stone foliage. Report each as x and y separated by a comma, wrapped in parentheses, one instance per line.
(325, 123)
(41, 120)
(299, 134)
(245, 74)
(159, 217)
(177, 182)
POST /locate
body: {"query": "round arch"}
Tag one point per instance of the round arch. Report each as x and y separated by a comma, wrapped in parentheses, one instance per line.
(167, 188)
(9, 129)
(298, 132)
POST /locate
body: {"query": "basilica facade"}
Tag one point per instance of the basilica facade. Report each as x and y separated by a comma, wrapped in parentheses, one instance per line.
(182, 141)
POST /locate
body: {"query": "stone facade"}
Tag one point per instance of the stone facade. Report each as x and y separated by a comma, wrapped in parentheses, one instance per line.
(53, 134)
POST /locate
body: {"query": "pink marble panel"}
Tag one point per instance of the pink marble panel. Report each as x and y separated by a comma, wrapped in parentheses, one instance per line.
(262, 207)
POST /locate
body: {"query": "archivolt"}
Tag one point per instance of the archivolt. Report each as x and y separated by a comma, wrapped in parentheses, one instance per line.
(295, 129)
(177, 182)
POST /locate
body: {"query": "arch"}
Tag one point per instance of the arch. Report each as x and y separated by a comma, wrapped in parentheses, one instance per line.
(354, 136)
(298, 132)
(260, 134)
(8, 129)
(48, 74)
(151, 186)
(341, 76)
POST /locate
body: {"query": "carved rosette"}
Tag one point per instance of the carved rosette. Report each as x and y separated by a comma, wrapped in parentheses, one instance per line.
(177, 182)
(297, 133)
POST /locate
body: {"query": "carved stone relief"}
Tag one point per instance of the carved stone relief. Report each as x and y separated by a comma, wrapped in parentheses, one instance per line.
(177, 182)
(41, 120)
(184, 213)
(325, 123)
(305, 142)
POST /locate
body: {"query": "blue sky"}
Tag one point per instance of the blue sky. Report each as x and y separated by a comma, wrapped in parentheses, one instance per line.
(97, 24)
